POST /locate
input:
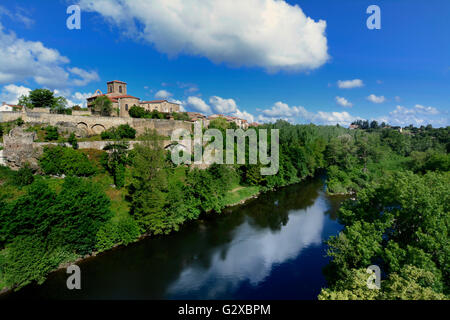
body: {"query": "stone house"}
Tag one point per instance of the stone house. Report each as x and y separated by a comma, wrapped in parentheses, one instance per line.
(122, 101)
(160, 105)
(240, 123)
(196, 116)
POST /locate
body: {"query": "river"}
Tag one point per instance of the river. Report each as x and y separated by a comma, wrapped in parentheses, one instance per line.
(270, 248)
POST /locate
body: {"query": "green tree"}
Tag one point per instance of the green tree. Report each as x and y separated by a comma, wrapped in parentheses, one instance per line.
(137, 112)
(115, 160)
(60, 106)
(29, 214)
(25, 101)
(42, 98)
(401, 224)
(103, 105)
(80, 209)
(149, 185)
(58, 160)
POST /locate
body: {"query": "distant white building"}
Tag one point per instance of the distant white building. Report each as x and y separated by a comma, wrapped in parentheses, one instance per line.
(9, 107)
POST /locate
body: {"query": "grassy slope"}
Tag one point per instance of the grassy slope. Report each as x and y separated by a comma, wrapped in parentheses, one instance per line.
(239, 193)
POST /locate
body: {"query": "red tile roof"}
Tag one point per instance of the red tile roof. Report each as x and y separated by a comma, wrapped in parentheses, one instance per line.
(125, 96)
(156, 101)
(113, 98)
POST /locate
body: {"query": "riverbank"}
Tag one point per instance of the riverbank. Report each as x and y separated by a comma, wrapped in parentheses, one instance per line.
(245, 252)
(238, 196)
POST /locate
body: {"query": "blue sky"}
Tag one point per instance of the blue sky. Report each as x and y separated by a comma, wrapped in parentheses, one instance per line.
(258, 59)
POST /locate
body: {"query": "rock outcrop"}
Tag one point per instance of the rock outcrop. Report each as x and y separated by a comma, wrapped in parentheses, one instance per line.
(19, 149)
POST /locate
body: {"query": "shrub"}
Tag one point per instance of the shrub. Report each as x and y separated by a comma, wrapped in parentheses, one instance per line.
(123, 231)
(24, 176)
(124, 131)
(29, 214)
(155, 114)
(28, 259)
(180, 116)
(51, 133)
(58, 160)
(80, 209)
(73, 141)
(19, 122)
(137, 112)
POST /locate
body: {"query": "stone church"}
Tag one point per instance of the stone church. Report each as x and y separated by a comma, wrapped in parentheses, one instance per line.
(122, 102)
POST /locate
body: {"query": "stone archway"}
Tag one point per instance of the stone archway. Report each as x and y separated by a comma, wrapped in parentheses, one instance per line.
(98, 128)
(82, 129)
(175, 146)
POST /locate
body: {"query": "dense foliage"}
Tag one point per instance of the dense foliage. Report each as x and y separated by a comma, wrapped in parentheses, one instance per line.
(402, 226)
(103, 106)
(124, 131)
(59, 160)
(140, 112)
(115, 160)
(51, 133)
(400, 217)
(42, 228)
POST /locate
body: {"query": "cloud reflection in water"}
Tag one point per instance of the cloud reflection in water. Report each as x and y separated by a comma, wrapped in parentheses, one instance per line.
(252, 254)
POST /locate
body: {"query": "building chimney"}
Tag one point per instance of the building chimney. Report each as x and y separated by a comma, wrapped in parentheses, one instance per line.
(3, 103)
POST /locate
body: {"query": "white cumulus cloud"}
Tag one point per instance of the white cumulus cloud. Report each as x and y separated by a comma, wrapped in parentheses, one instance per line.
(376, 99)
(197, 104)
(418, 115)
(163, 94)
(21, 60)
(217, 105)
(264, 33)
(11, 93)
(298, 114)
(221, 105)
(350, 84)
(343, 102)
(79, 98)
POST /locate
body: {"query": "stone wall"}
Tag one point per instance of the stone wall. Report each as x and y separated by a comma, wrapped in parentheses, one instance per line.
(20, 148)
(81, 113)
(96, 124)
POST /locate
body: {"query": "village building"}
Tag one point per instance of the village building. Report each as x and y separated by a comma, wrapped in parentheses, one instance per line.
(240, 123)
(161, 106)
(122, 101)
(196, 116)
(10, 107)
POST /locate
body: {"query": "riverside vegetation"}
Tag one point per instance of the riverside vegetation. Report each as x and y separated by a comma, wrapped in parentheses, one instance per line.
(398, 221)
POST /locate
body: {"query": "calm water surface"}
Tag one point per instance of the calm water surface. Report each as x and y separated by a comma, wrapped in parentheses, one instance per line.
(270, 248)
